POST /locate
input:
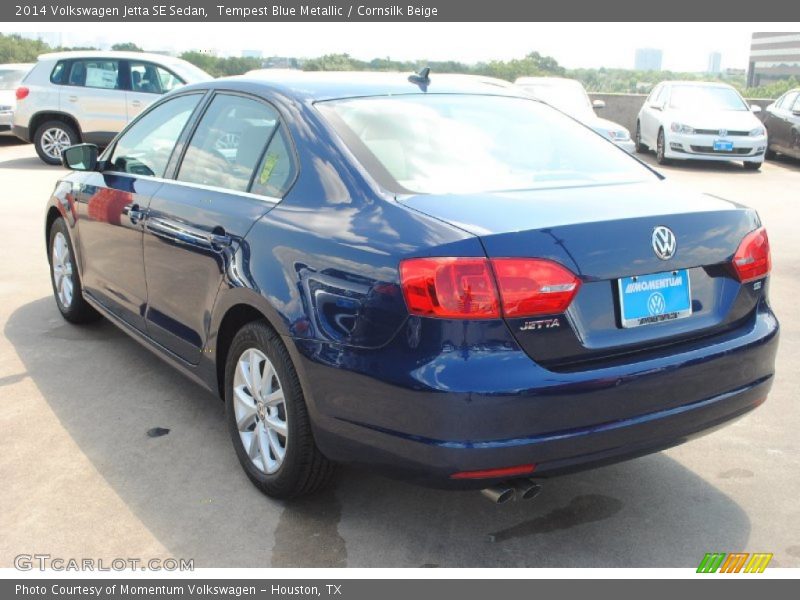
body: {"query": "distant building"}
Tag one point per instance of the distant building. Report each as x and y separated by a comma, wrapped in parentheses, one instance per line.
(648, 59)
(773, 57)
(714, 63)
(251, 54)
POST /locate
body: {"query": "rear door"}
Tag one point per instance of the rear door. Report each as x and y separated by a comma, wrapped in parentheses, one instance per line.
(112, 205)
(232, 172)
(95, 95)
(148, 81)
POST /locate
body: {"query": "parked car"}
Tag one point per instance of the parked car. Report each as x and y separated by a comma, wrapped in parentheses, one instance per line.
(89, 96)
(443, 279)
(700, 120)
(10, 77)
(782, 120)
(570, 97)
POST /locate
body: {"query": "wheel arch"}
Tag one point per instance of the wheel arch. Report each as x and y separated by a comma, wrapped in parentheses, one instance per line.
(53, 115)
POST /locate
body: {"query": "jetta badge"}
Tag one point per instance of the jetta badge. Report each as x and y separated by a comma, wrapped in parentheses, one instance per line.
(664, 242)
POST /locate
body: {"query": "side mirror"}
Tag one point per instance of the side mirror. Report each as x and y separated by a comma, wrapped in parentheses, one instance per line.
(656, 107)
(755, 108)
(81, 157)
(598, 104)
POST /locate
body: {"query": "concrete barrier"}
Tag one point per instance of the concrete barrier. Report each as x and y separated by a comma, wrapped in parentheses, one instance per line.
(624, 108)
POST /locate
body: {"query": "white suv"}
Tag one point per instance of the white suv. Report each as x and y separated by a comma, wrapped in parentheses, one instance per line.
(700, 121)
(89, 96)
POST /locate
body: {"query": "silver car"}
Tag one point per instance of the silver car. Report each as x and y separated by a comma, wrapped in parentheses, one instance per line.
(10, 77)
(570, 97)
(89, 96)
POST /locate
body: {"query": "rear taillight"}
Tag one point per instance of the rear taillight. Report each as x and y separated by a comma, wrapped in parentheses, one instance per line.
(531, 287)
(752, 259)
(457, 288)
(480, 288)
(22, 92)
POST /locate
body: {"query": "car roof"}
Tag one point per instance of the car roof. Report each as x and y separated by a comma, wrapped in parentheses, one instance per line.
(17, 66)
(118, 54)
(699, 83)
(329, 85)
(547, 81)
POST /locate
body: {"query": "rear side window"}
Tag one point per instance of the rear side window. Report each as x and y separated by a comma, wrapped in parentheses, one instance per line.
(146, 147)
(92, 73)
(276, 171)
(59, 72)
(229, 143)
(152, 79)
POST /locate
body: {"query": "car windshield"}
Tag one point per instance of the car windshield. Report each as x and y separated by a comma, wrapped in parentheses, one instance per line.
(455, 143)
(700, 97)
(11, 78)
(571, 99)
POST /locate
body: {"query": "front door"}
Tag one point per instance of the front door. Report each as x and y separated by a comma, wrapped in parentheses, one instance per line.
(112, 204)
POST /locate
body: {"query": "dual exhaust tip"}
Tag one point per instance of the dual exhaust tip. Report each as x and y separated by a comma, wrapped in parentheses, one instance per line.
(518, 489)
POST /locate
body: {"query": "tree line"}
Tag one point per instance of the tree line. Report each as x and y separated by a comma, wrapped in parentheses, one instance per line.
(15, 48)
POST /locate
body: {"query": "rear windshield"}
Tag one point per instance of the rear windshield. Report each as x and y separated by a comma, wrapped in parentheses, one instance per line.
(455, 143)
(11, 78)
(698, 97)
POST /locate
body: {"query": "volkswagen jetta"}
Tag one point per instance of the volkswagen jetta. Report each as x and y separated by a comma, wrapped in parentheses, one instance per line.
(429, 275)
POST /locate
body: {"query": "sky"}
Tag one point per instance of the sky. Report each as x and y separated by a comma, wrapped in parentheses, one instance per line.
(685, 46)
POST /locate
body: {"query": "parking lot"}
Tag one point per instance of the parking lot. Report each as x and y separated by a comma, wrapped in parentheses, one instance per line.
(81, 477)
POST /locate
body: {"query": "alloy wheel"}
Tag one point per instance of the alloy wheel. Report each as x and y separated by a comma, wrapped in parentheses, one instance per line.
(62, 270)
(260, 410)
(54, 141)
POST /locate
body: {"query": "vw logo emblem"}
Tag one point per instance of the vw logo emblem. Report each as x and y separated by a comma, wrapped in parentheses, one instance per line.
(656, 303)
(664, 242)
(723, 132)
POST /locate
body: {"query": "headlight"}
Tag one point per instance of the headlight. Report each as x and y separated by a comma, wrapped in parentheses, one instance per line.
(681, 128)
(619, 135)
(757, 131)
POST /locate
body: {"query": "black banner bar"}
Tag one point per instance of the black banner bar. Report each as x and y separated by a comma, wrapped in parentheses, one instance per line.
(733, 588)
(401, 11)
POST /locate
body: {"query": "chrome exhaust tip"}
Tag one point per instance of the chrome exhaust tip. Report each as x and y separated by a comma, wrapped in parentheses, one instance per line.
(527, 489)
(498, 494)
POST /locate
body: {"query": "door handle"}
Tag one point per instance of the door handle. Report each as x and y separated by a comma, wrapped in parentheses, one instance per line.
(133, 213)
(136, 103)
(73, 98)
(180, 232)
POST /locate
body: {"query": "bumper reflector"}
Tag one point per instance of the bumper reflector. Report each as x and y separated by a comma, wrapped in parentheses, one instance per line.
(516, 471)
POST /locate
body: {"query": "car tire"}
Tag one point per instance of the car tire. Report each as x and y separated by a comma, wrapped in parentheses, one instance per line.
(52, 138)
(640, 147)
(661, 149)
(67, 288)
(752, 166)
(263, 397)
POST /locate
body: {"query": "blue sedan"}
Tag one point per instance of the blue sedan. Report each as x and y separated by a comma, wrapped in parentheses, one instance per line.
(432, 276)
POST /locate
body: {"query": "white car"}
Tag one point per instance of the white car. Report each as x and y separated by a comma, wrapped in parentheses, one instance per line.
(570, 97)
(10, 77)
(89, 96)
(700, 121)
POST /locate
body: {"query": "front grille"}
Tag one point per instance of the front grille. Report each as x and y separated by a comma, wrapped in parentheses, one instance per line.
(719, 132)
(710, 150)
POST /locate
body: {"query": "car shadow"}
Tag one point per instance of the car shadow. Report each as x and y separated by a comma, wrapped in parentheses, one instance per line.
(187, 489)
(732, 167)
(27, 163)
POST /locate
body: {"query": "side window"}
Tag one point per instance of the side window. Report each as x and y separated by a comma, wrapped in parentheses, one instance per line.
(152, 79)
(276, 171)
(100, 73)
(228, 143)
(796, 106)
(145, 148)
(57, 76)
(790, 100)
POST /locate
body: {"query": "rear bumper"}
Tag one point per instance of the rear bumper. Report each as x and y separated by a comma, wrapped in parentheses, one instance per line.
(21, 132)
(561, 422)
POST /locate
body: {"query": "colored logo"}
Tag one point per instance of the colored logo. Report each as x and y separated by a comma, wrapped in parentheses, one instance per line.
(735, 562)
(656, 303)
